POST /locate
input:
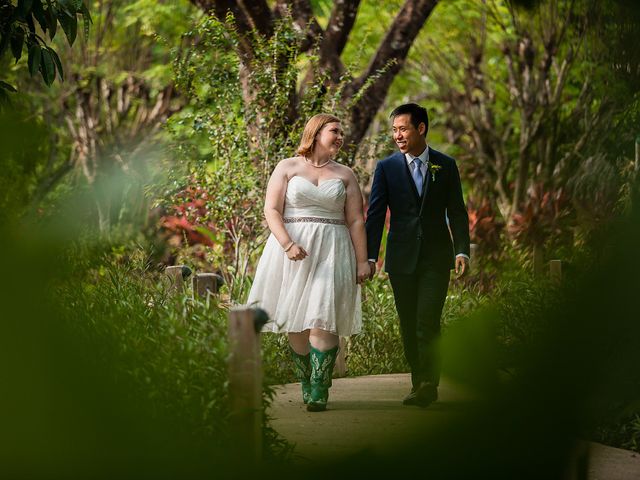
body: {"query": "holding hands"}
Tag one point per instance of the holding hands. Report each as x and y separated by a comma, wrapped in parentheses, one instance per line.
(295, 252)
(372, 267)
(462, 266)
(363, 272)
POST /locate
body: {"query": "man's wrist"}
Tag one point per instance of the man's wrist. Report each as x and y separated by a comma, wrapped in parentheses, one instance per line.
(463, 255)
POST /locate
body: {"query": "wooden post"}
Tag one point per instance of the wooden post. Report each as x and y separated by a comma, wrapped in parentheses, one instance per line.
(340, 367)
(205, 284)
(473, 252)
(555, 270)
(177, 280)
(538, 260)
(578, 461)
(245, 383)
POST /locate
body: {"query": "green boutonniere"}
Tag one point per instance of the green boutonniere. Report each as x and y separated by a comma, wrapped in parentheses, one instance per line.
(433, 169)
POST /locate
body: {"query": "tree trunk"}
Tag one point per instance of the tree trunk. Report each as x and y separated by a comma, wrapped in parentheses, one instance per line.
(363, 95)
(383, 68)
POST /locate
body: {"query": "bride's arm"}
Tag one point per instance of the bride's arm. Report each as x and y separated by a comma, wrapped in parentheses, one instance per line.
(354, 217)
(274, 209)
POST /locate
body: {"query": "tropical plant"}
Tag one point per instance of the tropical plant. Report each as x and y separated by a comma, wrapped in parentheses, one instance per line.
(526, 97)
(105, 119)
(256, 24)
(231, 147)
(169, 350)
(18, 31)
(378, 349)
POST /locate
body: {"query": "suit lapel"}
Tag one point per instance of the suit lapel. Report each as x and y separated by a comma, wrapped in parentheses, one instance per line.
(427, 179)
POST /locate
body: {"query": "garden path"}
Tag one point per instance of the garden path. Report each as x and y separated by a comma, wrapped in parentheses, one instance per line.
(365, 415)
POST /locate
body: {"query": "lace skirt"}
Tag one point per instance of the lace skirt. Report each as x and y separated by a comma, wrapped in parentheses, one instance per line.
(317, 292)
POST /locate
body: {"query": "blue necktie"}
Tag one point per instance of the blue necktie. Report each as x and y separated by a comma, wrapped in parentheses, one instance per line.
(417, 174)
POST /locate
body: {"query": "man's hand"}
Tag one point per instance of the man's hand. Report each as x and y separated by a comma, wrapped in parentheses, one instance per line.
(462, 266)
(372, 267)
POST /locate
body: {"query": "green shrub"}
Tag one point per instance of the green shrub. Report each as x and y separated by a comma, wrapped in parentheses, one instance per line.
(276, 360)
(378, 349)
(169, 350)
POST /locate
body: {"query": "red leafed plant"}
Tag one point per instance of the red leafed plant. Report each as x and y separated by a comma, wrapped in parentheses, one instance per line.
(485, 228)
(183, 222)
(545, 217)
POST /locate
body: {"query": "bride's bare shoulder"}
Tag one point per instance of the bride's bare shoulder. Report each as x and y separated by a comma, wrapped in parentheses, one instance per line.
(346, 173)
(288, 166)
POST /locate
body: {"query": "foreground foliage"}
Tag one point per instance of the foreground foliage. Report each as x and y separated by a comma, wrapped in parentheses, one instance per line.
(139, 360)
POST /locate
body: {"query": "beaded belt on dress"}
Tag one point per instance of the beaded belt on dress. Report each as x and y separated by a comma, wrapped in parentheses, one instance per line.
(330, 221)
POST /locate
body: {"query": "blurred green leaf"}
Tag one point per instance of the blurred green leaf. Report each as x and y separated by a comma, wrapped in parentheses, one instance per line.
(38, 12)
(86, 19)
(6, 86)
(17, 40)
(52, 20)
(35, 58)
(57, 61)
(24, 7)
(48, 67)
(69, 25)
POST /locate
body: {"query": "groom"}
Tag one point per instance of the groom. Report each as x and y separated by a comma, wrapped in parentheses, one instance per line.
(422, 189)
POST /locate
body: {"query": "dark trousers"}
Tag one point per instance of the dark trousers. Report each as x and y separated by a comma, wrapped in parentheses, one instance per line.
(419, 299)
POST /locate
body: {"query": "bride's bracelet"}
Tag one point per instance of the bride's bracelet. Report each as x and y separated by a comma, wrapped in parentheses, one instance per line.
(289, 247)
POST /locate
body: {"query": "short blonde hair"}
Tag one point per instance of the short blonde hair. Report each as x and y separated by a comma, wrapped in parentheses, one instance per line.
(311, 129)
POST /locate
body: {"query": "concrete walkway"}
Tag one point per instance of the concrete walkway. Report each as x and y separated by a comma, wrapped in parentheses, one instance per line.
(365, 415)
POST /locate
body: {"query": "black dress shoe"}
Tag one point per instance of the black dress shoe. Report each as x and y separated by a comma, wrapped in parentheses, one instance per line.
(426, 394)
(411, 399)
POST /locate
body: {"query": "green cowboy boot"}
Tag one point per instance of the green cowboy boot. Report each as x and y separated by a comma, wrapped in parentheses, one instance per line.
(302, 367)
(321, 370)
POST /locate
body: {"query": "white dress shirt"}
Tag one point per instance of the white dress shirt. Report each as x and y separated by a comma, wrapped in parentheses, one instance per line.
(424, 161)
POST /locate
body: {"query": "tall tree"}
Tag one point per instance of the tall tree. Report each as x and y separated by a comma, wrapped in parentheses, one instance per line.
(524, 99)
(255, 22)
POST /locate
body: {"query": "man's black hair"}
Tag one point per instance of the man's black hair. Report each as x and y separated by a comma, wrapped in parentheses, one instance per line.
(417, 113)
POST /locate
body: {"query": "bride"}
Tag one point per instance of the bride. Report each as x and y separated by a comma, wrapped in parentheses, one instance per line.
(308, 277)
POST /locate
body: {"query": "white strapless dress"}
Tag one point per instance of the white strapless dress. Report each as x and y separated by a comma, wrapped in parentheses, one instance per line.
(319, 291)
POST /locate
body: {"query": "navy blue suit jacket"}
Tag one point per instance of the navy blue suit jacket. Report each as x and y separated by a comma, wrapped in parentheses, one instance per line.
(417, 222)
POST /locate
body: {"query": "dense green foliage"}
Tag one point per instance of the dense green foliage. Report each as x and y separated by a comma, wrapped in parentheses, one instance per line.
(168, 349)
(172, 351)
(219, 137)
(121, 343)
(536, 108)
(151, 114)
